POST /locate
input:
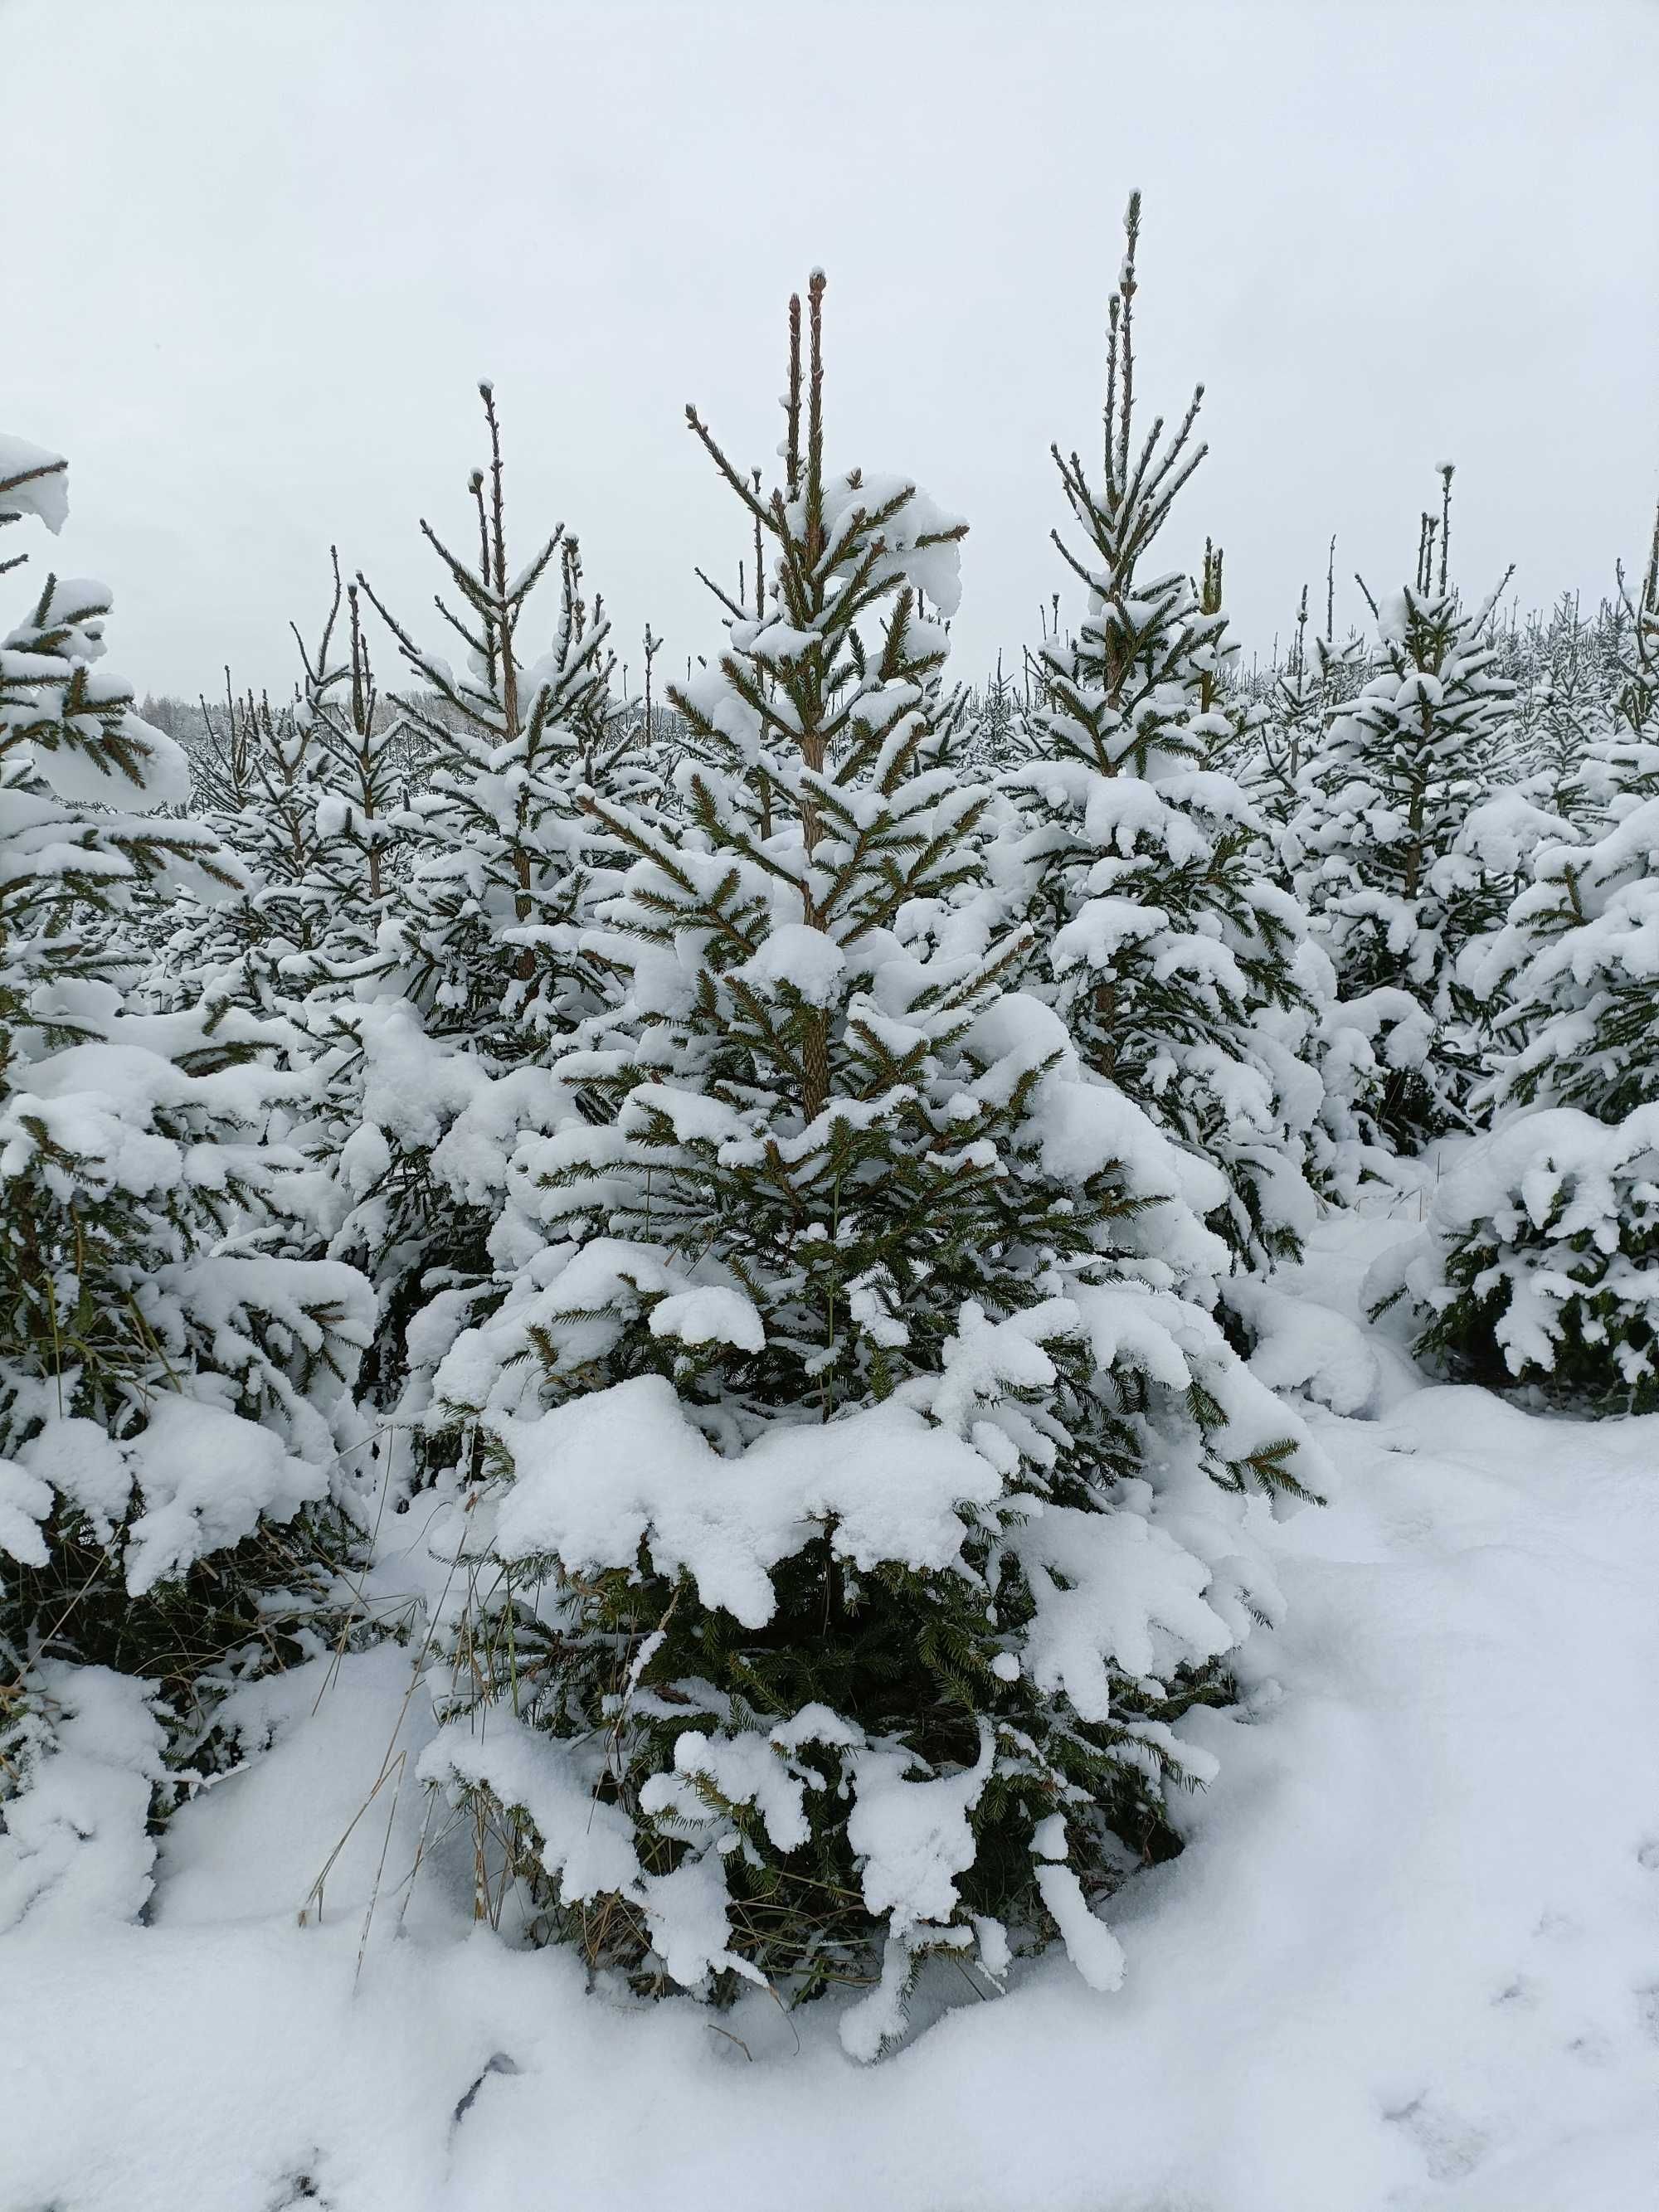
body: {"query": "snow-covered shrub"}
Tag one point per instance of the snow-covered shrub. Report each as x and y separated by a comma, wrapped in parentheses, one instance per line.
(171, 1387)
(84, 1749)
(856, 1487)
(1541, 1261)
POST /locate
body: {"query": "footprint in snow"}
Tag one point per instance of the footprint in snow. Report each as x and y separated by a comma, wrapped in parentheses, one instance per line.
(1451, 2147)
(1520, 1996)
(1558, 1926)
(1592, 2047)
(501, 2064)
(299, 2192)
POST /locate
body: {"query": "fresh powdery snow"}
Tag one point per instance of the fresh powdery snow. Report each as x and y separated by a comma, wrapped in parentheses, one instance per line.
(1409, 1958)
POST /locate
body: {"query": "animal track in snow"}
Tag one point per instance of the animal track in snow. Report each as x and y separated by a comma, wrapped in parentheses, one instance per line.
(1558, 1927)
(1521, 1993)
(1451, 2146)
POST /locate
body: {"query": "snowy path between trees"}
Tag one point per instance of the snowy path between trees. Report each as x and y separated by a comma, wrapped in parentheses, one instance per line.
(1409, 1958)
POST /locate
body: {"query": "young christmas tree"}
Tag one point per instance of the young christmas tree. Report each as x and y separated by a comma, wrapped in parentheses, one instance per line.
(1541, 1261)
(458, 869)
(1280, 732)
(1636, 656)
(1177, 961)
(852, 1495)
(486, 936)
(172, 1391)
(365, 758)
(997, 714)
(1560, 756)
(1397, 889)
(1288, 733)
(307, 796)
(256, 784)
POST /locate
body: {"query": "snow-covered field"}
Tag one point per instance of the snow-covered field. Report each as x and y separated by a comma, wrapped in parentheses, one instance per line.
(1409, 1958)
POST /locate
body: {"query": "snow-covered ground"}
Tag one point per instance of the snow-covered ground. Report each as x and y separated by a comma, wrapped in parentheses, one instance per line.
(1410, 1958)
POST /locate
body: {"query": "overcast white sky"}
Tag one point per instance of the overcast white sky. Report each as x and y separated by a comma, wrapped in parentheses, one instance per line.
(259, 253)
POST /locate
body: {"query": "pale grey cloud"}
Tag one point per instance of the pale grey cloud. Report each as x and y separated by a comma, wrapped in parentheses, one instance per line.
(258, 254)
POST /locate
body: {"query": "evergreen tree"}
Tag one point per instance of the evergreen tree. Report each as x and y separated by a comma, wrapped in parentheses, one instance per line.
(1315, 676)
(1559, 755)
(486, 934)
(1636, 654)
(1277, 743)
(845, 1349)
(1542, 1262)
(366, 758)
(1574, 964)
(998, 715)
(257, 780)
(1177, 962)
(1291, 728)
(1397, 891)
(455, 965)
(170, 1390)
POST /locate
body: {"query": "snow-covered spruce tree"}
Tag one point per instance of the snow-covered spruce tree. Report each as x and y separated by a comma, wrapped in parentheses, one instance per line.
(308, 795)
(856, 1494)
(1560, 758)
(1551, 786)
(365, 758)
(1636, 656)
(1287, 735)
(1276, 746)
(953, 730)
(1233, 710)
(432, 1039)
(169, 1390)
(997, 712)
(191, 937)
(1396, 890)
(487, 930)
(1540, 1257)
(257, 780)
(1575, 962)
(1177, 962)
(1315, 676)
(1541, 1261)
(313, 797)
